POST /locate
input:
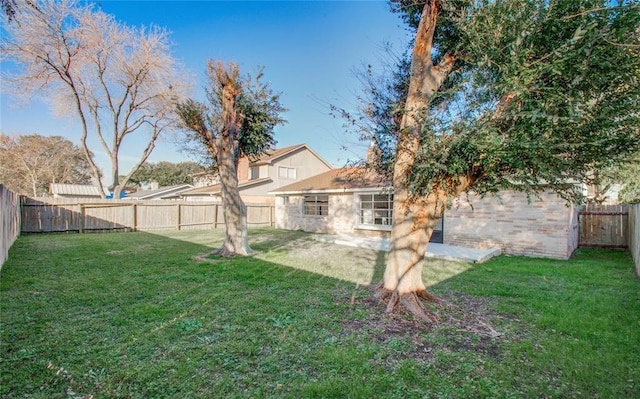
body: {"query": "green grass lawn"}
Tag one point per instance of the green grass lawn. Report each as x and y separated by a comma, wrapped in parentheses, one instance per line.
(134, 315)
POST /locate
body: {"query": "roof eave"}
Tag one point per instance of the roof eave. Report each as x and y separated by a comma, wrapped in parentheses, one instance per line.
(331, 191)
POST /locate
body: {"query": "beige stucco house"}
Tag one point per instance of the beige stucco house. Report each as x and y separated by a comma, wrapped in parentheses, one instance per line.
(337, 203)
(259, 175)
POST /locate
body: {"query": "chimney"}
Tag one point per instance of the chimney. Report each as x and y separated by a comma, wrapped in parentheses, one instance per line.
(154, 185)
(243, 169)
(373, 153)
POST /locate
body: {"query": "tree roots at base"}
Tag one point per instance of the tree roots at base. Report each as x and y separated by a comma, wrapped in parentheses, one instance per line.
(412, 301)
(225, 252)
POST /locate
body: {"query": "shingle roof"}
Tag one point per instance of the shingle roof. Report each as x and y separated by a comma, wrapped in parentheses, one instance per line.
(344, 179)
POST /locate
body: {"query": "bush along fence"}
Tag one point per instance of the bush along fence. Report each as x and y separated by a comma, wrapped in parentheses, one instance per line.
(634, 234)
(75, 215)
(10, 214)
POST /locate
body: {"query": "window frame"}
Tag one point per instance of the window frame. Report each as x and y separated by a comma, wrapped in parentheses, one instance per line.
(375, 209)
(289, 173)
(254, 172)
(320, 207)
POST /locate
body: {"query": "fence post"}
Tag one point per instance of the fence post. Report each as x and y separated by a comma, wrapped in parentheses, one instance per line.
(134, 217)
(81, 219)
(215, 216)
(271, 216)
(178, 217)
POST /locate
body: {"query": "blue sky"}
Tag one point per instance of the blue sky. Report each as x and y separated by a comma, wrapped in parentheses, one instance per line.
(309, 50)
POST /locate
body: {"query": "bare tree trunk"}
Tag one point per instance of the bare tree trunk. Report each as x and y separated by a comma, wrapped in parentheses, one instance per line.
(413, 225)
(235, 212)
(414, 218)
(116, 188)
(226, 152)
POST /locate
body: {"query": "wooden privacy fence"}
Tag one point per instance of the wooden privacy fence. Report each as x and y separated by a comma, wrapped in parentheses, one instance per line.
(56, 215)
(634, 234)
(605, 226)
(10, 223)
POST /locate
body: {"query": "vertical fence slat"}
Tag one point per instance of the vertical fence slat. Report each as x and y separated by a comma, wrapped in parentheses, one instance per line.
(10, 224)
(604, 226)
(634, 235)
(60, 215)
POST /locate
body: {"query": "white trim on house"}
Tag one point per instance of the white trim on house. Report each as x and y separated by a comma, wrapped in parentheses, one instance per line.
(320, 208)
(357, 209)
(267, 159)
(380, 190)
(287, 172)
(167, 192)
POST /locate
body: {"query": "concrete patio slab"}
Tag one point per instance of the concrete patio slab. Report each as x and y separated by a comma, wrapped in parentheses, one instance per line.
(439, 251)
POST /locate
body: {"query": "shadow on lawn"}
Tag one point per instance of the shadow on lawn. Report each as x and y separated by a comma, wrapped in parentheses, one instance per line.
(132, 314)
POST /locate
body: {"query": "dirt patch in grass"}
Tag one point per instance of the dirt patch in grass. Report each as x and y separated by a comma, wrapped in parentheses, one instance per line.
(467, 324)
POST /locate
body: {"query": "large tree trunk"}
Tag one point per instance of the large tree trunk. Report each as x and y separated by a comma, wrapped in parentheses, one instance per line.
(235, 212)
(413, 224)
(414, 217)
(226, 153)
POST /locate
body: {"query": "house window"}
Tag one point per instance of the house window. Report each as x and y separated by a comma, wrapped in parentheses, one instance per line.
(376, 209)
(286, 173)
(255, 172)
(316, 205)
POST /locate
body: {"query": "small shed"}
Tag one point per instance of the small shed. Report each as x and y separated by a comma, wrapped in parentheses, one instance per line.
(60, 190)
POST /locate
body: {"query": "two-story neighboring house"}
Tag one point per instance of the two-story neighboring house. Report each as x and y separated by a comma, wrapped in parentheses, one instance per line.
(259, 175)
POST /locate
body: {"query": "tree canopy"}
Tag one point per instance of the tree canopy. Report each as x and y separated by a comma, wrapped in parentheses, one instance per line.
(120, 83)
(31, 162)
(526, 95)
(257, 104)
(166, 173)
(237, 121)
(540, 94)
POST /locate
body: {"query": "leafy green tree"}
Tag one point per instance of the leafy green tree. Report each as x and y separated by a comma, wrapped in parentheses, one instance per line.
(166, 173)
(627, 174)
(629, 177)
(239, 120)
(527, 95)
(29, 163)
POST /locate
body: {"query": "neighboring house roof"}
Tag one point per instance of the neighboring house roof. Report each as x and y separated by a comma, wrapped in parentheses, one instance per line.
(216, 189)
(78, 190)
(269, 158)
(203, 173)
(336, 180)
(273, 155)
(160, 193)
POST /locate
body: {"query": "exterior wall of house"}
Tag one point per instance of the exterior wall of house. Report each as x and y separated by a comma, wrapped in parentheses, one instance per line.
(202, 198)
(340, 220)
(243, 169)
(546, 227)
(305, 163)
(257, 199)
(289, 216)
